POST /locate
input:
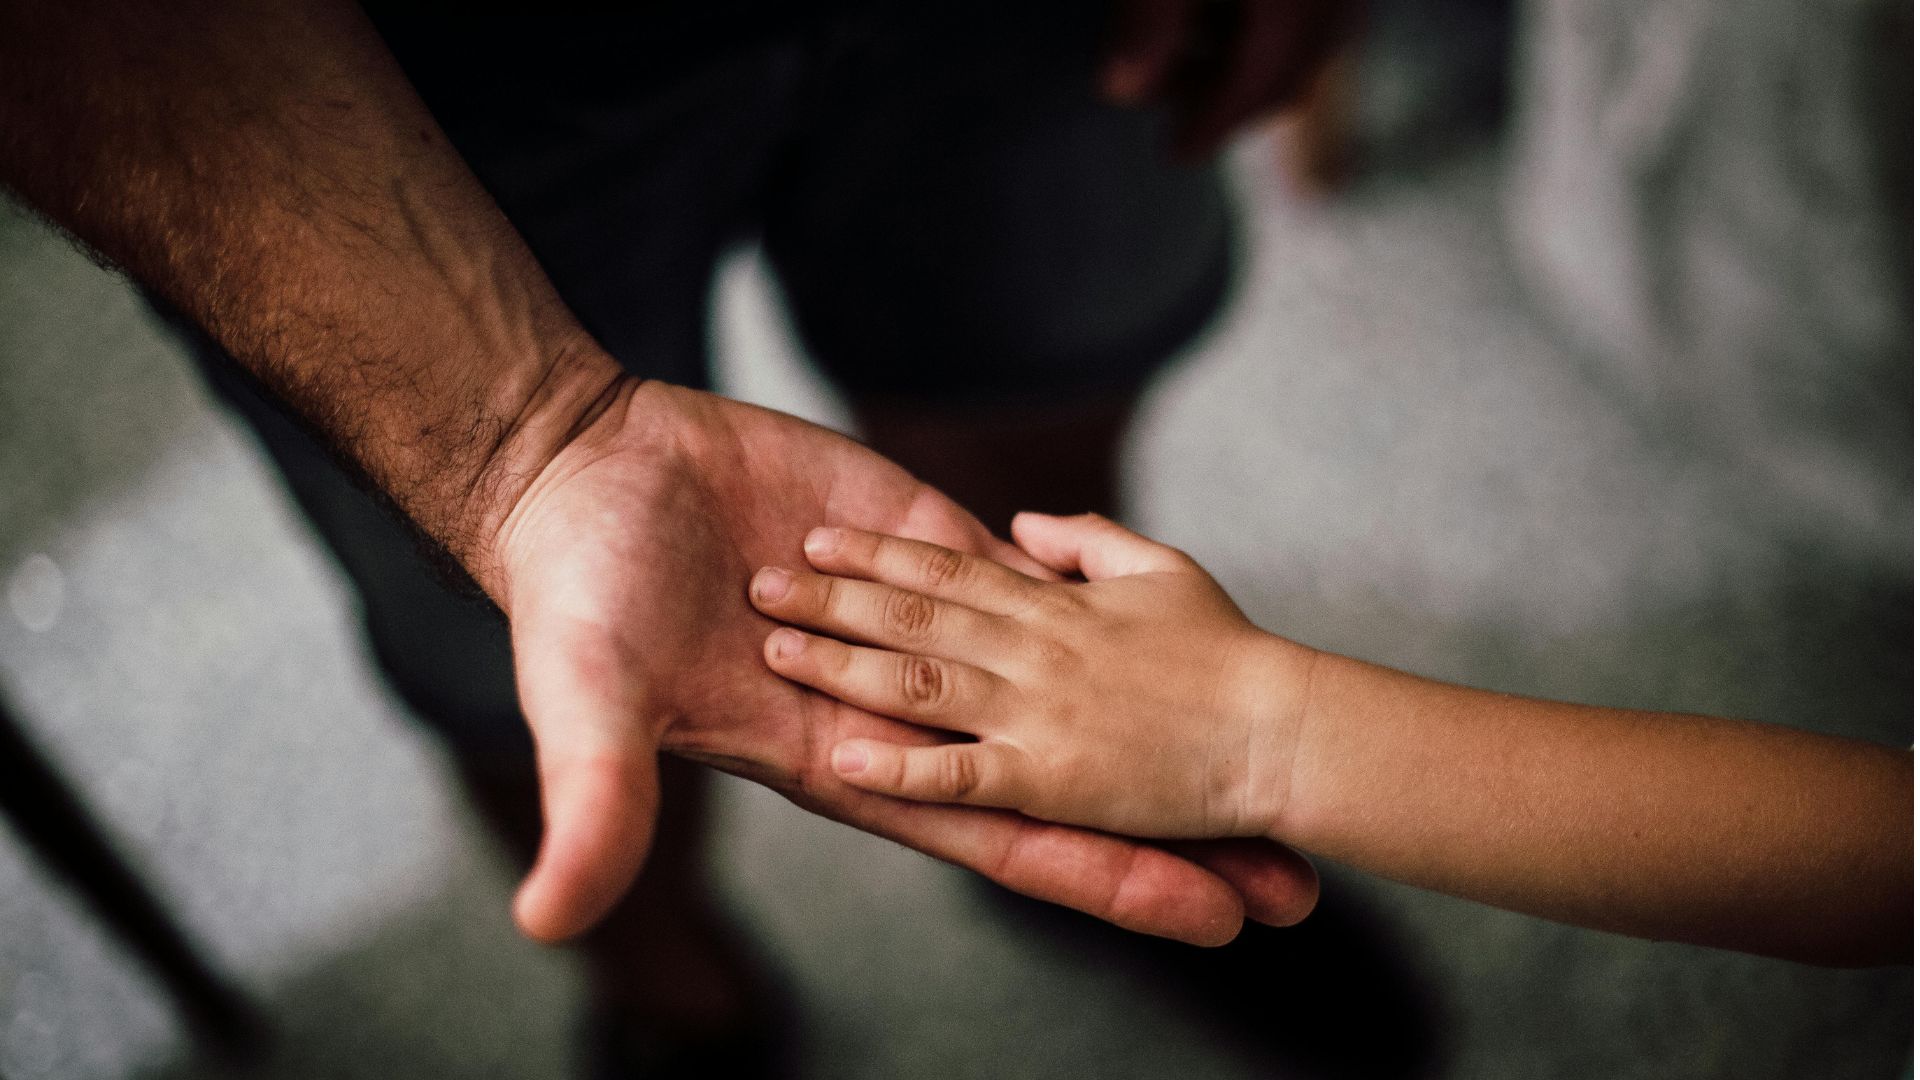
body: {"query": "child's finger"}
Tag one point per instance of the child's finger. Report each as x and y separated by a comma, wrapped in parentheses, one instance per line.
(924, 568)
(1093, 547)
(978, 774)
(878, 615)
(922, 689)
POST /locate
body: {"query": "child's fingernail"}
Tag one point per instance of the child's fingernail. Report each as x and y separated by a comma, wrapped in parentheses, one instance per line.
(771, 584)
(788, 643)
(849, 759)
(823, 541)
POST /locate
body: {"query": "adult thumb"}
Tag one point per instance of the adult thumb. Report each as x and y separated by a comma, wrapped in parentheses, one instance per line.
(599, 777)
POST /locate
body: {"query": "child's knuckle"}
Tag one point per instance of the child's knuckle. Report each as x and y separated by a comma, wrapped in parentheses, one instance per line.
(835, 659)
(1052, 659)
(909, 616)
(827, 597)
(924, 683)
(942, 566)
(1058, 602)
(959, 775)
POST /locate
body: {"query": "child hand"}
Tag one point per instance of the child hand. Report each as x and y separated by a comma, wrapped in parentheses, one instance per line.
(1141, 701)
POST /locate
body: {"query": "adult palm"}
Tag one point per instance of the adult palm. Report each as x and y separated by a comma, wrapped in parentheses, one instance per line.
(625, 566)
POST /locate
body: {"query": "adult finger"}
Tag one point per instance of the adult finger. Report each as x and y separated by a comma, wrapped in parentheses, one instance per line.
(1094, 547)
(1279, 884)
(923, 689)
(936, 519)
(599, 778)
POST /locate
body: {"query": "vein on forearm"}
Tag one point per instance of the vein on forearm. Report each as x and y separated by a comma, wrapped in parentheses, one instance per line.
(268, 171)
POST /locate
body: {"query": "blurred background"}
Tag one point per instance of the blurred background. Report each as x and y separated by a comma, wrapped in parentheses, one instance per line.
(1572, 356)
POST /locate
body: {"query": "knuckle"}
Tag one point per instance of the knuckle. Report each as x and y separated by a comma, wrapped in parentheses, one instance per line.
(958, 776)
(861, 550)
(908, 615)
(1055, 602)
(1052, 659)
(923, 682)
(833, 659)
(942, 566)
(827, 596)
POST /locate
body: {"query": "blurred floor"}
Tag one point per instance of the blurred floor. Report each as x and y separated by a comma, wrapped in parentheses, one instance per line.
(1380, 452)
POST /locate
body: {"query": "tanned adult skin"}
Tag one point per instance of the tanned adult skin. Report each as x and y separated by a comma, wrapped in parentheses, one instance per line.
(268, 171)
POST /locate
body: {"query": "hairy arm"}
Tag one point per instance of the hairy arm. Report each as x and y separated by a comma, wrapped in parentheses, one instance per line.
(268, 170)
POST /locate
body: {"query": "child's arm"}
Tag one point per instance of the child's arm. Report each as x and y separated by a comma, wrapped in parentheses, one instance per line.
(1143, 702)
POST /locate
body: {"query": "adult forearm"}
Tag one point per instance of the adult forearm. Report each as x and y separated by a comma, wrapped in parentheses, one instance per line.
(269, 171)
(1718, 832)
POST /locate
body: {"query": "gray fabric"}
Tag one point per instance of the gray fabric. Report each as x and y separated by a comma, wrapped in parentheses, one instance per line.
(1704, 191)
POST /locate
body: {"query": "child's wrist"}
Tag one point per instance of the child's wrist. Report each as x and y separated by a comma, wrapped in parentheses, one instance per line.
(1325, 684)
(1275, 688)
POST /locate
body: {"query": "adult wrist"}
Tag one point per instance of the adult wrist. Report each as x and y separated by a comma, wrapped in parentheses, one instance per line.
(540, 414)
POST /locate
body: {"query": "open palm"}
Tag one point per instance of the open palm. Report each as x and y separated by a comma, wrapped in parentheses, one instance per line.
(626, 565)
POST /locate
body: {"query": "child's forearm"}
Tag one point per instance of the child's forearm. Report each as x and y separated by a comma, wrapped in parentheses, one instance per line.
(1716, 832)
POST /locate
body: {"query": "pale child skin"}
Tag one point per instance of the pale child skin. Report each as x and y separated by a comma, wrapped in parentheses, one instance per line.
(1142, 702)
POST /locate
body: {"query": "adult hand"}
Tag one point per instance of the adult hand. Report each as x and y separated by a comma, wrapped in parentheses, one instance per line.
(1219, 64)
(278, 181)
(623, 568)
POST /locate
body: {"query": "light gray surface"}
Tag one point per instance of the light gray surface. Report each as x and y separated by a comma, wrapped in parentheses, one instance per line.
(1732, 183)
(1380, 452)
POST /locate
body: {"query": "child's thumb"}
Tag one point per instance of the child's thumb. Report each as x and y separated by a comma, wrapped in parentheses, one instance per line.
(1093, 547)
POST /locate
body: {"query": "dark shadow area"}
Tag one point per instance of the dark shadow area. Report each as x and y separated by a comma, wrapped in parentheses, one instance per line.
(1338, 996)
(48, 814)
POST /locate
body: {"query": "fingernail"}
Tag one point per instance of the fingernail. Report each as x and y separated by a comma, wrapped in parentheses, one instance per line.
(823, 541)
(787, 643)
(771, 584)
(849, 759)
